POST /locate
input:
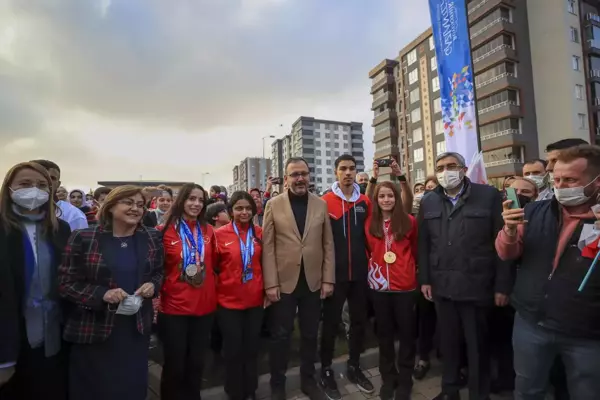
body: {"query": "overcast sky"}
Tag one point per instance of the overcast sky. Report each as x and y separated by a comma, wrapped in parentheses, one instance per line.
(167, 90)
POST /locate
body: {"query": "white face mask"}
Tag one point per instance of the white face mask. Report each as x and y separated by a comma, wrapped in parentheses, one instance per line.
(571, 197)
(551, 178)
(130, 305)
(450, 179)
(539, 180)
(30, 198)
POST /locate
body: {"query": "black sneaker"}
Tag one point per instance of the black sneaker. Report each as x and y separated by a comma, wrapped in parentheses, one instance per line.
(421, 370)
(387, 391)
(328, 384)
(356, 376)
(310, 388)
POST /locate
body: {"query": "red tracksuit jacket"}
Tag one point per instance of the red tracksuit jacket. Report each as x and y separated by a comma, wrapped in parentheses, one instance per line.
(232, 293)
(402, 274)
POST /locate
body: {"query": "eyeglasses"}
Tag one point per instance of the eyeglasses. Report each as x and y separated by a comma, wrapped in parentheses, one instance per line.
(449, 167)
(296, 175)
(132, 204)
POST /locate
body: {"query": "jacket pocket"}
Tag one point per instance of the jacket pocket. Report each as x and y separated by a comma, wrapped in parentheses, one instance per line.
(433, 221)
(477, 228)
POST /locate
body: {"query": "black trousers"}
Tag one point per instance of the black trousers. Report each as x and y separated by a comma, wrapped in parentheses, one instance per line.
(558, 380)
(240, 330)
(185, 341)
(501, 329)
(37, 376)
(395, 316)
(281, 322)
(471, 320)
(426, 318)
(356, 294)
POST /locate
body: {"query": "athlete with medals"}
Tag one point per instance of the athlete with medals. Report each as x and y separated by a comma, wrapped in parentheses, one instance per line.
(188, 299)
(392, 247)
(240, 294)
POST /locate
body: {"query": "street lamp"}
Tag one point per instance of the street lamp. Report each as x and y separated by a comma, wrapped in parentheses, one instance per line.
(263, 143)
(202, 177)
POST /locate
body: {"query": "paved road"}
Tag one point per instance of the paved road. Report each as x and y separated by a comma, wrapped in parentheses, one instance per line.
(426, 389)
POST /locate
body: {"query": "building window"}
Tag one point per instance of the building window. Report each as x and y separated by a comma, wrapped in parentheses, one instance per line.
(317, 143)
(439, 126)
(328, 153)
(574, 35)
(328, 162)
(571, 6)
(433, 63)
(415, 115)
(418, 155)
(431, 43)
(440, 147)
(579, 92)
(581, 118)
(413, 76)
(336, 136)
(327, 135)
(576, 63)
(411, 57)
(317, 152)
(319, 171)
(345, 145)
(329, 171)
(417, 135)
(435, 83)
(437, 105)
(414, 96)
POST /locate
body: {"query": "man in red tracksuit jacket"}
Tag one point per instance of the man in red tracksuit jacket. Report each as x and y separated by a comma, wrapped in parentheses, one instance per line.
(348, 212)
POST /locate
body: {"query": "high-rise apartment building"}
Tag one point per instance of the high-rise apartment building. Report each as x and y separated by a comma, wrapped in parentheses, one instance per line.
(320, 142)
(251, 173)
(589, 16)
(528, 91)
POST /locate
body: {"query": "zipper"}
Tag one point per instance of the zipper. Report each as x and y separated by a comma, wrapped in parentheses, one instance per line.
(550, 276)
(349, 248)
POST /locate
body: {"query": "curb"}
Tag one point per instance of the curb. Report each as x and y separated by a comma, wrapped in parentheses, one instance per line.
(369, 359)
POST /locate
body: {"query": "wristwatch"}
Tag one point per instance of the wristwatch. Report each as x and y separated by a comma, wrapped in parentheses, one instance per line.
(373, 180)
(402, 178)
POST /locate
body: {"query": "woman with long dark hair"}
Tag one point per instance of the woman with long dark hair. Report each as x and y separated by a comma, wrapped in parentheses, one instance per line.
(32, 238)
(240, 295)
(392, 245)
(110, 273)
(188, 297)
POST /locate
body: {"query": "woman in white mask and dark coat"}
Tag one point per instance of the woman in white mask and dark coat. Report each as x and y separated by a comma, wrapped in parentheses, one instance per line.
(110, 273)
(32, 238)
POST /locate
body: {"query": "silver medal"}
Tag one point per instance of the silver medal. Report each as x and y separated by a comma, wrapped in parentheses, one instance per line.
(191, 270)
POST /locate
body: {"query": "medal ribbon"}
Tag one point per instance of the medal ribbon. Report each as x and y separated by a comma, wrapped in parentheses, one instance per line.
(247, 250)
(193, 246)
(388, 237)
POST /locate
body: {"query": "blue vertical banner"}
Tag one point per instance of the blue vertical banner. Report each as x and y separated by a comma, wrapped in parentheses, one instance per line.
(453, 51)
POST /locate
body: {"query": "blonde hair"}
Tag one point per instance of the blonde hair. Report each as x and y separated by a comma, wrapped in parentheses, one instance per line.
(117, 194)
(8, 218)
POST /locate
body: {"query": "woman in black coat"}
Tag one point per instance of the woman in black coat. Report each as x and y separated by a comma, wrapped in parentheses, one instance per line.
(32, 238)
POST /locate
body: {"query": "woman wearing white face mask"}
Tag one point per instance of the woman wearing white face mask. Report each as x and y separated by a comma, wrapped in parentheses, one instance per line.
(110, 272)
(32, 359)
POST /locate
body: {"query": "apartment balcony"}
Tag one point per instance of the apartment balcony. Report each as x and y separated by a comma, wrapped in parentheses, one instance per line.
(593, 46)
(493, 57)
(495, 84)
(478, 9)
(593, 19)
(502, 110)
(386, 152)
(595, 75)
(596, 102)
(505, 138)
(506, 167)
(382, 98)
(384, 116)
(385, 134)
(494, 28)
(387, 79)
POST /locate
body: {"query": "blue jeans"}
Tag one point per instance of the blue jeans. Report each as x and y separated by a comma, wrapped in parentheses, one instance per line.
(535, 349)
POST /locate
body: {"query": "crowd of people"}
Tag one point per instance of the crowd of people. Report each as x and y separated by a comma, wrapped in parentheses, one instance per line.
(505, 294)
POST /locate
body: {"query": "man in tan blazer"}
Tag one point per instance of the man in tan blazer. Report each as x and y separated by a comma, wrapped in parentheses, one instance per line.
(298, 272)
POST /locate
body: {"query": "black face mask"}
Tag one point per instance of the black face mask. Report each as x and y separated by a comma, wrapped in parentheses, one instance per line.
(363, 188)
(523, 200)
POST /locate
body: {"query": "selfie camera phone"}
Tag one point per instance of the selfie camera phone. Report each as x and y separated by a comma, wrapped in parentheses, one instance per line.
(511, 194)
(385, 162)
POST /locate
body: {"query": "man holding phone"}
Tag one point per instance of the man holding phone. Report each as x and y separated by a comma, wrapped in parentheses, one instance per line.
(553, 317)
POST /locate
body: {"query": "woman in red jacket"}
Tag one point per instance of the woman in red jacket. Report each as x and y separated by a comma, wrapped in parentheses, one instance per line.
(240, 295)
(188, 296)
(392, 245)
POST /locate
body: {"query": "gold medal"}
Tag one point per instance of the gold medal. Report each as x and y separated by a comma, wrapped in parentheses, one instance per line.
(389, 257)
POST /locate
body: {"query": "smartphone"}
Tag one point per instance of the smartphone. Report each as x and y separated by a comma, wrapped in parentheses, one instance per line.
(387, 162)
(511, 194)
(276, 181)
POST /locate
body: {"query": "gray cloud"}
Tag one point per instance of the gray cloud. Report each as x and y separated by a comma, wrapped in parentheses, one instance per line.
(193, 65)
